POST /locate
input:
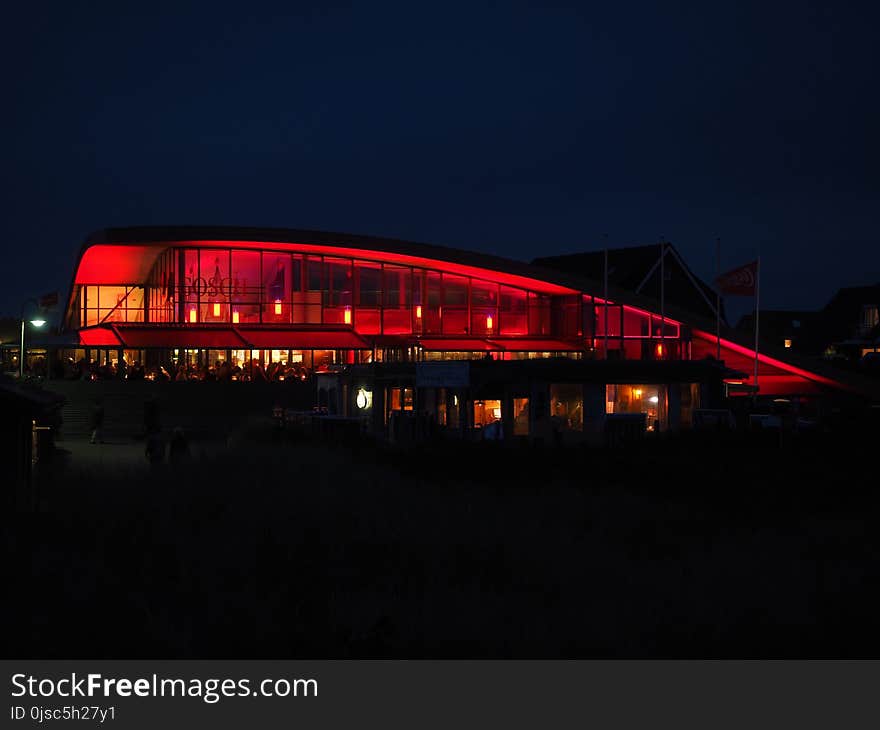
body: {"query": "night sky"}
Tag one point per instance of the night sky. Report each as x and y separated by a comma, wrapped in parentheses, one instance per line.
(506, 128)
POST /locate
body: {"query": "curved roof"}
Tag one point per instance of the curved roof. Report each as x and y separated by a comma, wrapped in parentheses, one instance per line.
(125, 255)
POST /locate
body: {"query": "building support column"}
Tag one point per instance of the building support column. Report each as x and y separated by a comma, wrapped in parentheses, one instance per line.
(594, 411)
(673, 406)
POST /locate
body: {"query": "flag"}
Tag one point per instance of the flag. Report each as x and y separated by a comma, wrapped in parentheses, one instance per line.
(47, 301)
(739, 282)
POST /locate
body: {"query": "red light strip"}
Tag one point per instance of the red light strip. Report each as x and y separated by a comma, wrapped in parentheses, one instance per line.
(477, 272)
(772, 361)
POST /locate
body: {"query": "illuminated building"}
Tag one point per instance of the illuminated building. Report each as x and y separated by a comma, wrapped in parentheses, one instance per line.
(199, 295)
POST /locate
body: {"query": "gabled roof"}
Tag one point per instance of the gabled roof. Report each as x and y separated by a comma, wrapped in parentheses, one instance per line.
(636, 269)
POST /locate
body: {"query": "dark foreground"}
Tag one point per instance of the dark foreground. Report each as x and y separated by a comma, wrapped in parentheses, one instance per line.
(682, 548)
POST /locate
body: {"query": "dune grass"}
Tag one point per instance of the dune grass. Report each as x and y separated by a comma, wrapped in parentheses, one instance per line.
(680, 547)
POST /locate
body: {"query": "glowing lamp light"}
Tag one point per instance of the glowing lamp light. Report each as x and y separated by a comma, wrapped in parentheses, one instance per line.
(193, 315)
(637, 392)
(235, 316)
(364, 399)
(659, 350)
(418, 311)
(346, 316)
(278, 306)
(38, 322)
(489, 322)
(653, 399)
(216, 309)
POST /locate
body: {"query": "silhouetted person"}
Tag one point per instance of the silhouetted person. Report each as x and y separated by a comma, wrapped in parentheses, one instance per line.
(136, 372)
(155, 449)
(258, 374)
(96, 422)
(178, 451)
(151, 415)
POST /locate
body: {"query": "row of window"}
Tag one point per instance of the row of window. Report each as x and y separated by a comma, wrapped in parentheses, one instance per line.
(265, 287)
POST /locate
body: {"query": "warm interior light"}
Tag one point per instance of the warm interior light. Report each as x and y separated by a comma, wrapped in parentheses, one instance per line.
(637, 392)
(216, 309)
(277, 306)
(235, 316)
(418, 311)
(38, 322)
(193, 314)
(489, 322)
(654, 399)
(659, 350)
(364, 399)
(787, 343)
(347, 315)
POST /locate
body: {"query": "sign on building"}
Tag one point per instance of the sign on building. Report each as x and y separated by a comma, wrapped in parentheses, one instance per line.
(443, 374)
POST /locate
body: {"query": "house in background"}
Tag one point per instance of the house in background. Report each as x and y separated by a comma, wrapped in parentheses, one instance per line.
(845, 329)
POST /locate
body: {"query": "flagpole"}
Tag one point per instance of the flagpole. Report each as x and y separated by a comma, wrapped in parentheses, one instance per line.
(717, 298)
(757, 318)
(662, 298)
(605, 295)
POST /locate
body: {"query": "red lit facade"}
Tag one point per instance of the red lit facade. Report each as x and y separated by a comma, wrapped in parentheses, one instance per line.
(206, 294)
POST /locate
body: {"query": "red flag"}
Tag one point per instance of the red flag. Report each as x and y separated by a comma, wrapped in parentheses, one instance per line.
(47, 301)
(739, 282)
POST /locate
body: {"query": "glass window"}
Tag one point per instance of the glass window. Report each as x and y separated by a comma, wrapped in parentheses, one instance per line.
(313, 273)
(455, 305)
(669, 331)
(484, 308)
(514, 312)
(539, 314)
(520, 416)
(432, 311)
(567, 406)
(398, 313)
(214, 285)
(194, 285)
(638, 398)
(486, 412)
(338, 294)
(636, 323)
(245, 290)
(276, 285)
(368, 297)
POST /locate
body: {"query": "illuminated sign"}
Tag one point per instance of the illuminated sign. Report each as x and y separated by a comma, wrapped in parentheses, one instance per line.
(364, 399)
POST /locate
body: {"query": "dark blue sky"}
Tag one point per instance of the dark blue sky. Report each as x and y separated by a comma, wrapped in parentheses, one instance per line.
(507, 128)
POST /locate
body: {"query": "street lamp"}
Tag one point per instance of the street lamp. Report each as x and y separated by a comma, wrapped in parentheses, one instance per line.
(36, 322)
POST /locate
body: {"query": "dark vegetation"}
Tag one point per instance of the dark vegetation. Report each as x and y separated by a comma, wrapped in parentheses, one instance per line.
(682, 547)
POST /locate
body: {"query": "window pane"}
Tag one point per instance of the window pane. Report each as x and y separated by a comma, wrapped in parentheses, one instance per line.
(245, 287)
(398, 312)
(455, 305)
(214, 285)
(276, 285)
(567, 406)
(514, 312)
(484, 308)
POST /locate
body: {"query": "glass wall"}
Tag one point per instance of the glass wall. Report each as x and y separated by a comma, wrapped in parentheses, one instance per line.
(240, 287)
(567, 406)
(638, 398)
(101, 304)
